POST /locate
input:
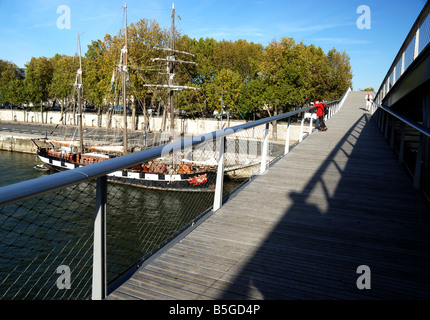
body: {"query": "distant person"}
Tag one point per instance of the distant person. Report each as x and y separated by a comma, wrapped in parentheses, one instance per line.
(369, 100)
(320, 114)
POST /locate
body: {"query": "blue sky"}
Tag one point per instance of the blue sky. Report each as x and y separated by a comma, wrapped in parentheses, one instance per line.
(29, 28)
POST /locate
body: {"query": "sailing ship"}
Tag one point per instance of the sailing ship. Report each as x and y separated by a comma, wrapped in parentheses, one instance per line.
(157, 174)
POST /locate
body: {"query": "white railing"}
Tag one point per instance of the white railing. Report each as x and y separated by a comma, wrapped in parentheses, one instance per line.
(417, 39)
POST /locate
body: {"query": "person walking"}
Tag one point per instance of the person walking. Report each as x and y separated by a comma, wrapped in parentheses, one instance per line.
(320, 114)
(369, 99)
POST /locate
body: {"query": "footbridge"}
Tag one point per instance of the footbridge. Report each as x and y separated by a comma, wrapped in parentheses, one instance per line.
(337, 202)
(336, 214)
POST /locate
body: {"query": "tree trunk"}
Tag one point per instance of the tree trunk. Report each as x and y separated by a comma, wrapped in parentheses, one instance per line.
(41, 111)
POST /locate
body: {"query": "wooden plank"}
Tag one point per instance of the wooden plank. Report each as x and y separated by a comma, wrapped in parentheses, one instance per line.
(337, 201)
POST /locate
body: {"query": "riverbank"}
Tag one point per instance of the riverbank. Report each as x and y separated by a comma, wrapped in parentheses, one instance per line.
(18, 142)
(16, 136)
(187, 127)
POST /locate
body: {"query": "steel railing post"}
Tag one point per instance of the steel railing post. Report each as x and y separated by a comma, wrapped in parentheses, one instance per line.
(220, 176)
(301, 127)
(287, 138)
(264, 150)
(99, 285)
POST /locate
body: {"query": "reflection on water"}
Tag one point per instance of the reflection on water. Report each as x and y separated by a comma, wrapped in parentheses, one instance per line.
(41, 234)
(16, 167)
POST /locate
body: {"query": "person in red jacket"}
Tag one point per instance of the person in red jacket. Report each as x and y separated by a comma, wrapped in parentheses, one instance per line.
(320, 114)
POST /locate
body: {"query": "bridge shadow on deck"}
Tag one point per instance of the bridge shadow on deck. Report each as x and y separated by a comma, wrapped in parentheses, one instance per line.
(358, 208)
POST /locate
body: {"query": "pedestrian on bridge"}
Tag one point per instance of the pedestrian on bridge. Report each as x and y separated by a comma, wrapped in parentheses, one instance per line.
(320, 114)
(369, 99)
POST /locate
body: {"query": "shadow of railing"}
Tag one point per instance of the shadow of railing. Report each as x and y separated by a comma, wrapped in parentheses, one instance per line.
(358, 208)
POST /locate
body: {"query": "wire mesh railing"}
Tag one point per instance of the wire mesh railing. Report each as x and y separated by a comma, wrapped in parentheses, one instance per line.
(72, 234)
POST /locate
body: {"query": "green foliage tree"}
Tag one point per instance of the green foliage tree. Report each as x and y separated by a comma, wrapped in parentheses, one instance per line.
(37, 82)
(339, 75)
(145, 40)
(98, 65)
(63, 77)
(39, 73)
(225, 89)
(252, 98)
(249, 77)
(11, 83)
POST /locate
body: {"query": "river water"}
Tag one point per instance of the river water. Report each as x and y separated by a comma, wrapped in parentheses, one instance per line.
(40, 235)
(16, 167)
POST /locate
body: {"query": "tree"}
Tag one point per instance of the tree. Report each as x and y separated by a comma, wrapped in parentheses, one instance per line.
(225, 91)
(247, 77)
(315, 69)
(252, 98)
(282, 73)
(145, 40)
(239, 56)
(39, 72)
(98, 65)
(11, 83)
(339, 76)
(63, 77)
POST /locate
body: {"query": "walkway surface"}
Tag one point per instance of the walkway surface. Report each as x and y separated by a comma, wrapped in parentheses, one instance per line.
(337, 201)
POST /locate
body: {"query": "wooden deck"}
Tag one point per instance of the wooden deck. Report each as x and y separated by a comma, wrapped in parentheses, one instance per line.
(337, 201)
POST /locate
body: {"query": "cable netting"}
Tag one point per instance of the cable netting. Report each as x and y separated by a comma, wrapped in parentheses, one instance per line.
(46, 242)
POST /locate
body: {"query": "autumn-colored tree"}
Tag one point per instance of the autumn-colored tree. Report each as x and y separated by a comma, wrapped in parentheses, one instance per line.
(339, 75)
(246, 77)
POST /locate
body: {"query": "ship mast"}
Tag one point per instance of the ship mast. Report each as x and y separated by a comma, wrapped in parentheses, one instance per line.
(172, 75)
(171, 60)
(124, 82)
(79, 87)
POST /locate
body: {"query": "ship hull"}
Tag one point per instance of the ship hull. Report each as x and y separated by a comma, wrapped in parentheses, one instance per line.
(199, 181)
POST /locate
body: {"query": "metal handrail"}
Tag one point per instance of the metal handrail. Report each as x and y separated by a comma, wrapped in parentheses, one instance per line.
(417, 126)
(410, 123)
(414, 34)
(42, 185)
